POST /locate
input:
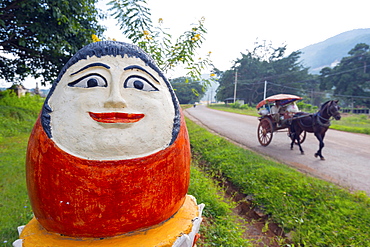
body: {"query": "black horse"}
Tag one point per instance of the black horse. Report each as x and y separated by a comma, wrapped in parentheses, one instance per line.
(317, 123)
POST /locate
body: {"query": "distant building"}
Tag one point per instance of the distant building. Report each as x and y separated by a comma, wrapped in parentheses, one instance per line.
(231, 100)
(19, 90)
(37, 90)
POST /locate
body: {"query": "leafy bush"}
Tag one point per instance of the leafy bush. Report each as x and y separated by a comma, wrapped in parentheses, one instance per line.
(306, 107)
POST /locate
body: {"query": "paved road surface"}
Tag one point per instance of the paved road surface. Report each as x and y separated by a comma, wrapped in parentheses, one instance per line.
(347, 155)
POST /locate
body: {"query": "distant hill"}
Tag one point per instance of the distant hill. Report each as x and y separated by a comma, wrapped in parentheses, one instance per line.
(329, 52)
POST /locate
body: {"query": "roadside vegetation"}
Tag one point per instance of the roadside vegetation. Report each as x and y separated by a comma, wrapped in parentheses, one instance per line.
(355, 123)
(311, 212)
(17, 115)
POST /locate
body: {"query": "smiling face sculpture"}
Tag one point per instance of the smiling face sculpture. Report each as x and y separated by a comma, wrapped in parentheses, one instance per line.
(110, 107)
(110, 152)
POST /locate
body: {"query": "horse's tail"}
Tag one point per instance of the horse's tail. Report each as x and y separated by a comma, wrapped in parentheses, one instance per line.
(291, 128)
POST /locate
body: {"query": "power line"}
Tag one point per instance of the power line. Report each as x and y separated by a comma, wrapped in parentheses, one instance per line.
(251, 82)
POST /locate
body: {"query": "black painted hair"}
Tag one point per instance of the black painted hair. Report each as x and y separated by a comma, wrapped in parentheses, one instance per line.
(110, 48)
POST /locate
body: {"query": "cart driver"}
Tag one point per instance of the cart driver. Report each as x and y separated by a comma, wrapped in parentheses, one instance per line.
(275, 110)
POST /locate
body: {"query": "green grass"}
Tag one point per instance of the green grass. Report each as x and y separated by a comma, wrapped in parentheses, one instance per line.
(312, 211)
(353, 123)
(245, 110)
(15, 208)
(17, 115)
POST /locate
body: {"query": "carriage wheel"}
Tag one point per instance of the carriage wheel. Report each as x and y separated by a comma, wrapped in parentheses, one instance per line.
(265, 131)
(302, 136)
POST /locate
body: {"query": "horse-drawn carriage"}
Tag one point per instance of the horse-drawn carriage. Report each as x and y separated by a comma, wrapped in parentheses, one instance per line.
(277, 112)
(280, 112)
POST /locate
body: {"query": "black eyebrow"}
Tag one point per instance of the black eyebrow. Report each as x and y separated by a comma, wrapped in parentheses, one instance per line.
(142, 69)
(92, 65)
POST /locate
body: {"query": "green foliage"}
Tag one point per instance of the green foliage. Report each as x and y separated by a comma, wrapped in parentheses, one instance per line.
(302, 106)
(351, 77)
(17, 115)
(314, 212)
(187, 90)
(41, 36)
(134, 19)
(264, 63)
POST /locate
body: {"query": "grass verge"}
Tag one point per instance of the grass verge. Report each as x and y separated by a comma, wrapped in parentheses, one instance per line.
(15, 208)
(312, 212)
(245, 110)
(353, 123)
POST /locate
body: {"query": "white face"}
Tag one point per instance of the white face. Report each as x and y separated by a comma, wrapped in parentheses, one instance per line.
(111, 108)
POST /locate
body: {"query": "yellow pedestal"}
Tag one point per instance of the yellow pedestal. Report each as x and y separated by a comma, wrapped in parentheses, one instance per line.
(181, 225)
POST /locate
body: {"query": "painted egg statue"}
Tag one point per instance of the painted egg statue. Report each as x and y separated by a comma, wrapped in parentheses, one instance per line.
(110, 151)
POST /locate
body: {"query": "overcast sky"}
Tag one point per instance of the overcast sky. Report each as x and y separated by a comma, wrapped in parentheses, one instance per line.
(234, 25)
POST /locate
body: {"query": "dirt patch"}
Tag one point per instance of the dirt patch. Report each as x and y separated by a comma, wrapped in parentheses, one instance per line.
(259, 227)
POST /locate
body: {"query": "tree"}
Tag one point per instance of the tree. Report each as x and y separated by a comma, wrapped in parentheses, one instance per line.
(37, 37)
(135, 22)
(188, 91)
(350, 79)
(264, 63)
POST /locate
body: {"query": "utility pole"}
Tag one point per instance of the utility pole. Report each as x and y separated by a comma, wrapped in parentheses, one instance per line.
(264, 91)
(236, 81)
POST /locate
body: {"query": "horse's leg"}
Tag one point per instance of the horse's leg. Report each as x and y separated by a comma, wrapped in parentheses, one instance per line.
(295, 132)
(320, 137)
(298, 134)
(292, 136)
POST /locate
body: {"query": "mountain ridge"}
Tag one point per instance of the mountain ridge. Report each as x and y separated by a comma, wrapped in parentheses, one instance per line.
(329, 52)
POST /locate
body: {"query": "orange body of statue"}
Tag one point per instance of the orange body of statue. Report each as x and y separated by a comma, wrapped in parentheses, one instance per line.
(91, 198)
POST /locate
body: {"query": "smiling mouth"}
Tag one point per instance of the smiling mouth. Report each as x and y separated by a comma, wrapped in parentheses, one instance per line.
(116, 117)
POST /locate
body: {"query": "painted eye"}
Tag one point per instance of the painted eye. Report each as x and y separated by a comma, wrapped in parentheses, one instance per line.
(88, 81)
(139, 83)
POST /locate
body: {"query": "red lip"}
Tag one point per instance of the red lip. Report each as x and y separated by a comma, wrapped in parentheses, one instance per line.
(116, 117)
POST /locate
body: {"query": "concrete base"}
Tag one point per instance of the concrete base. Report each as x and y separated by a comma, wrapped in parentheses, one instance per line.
(179, 231)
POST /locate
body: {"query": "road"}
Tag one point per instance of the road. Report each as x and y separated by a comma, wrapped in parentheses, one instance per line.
(347, 154)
